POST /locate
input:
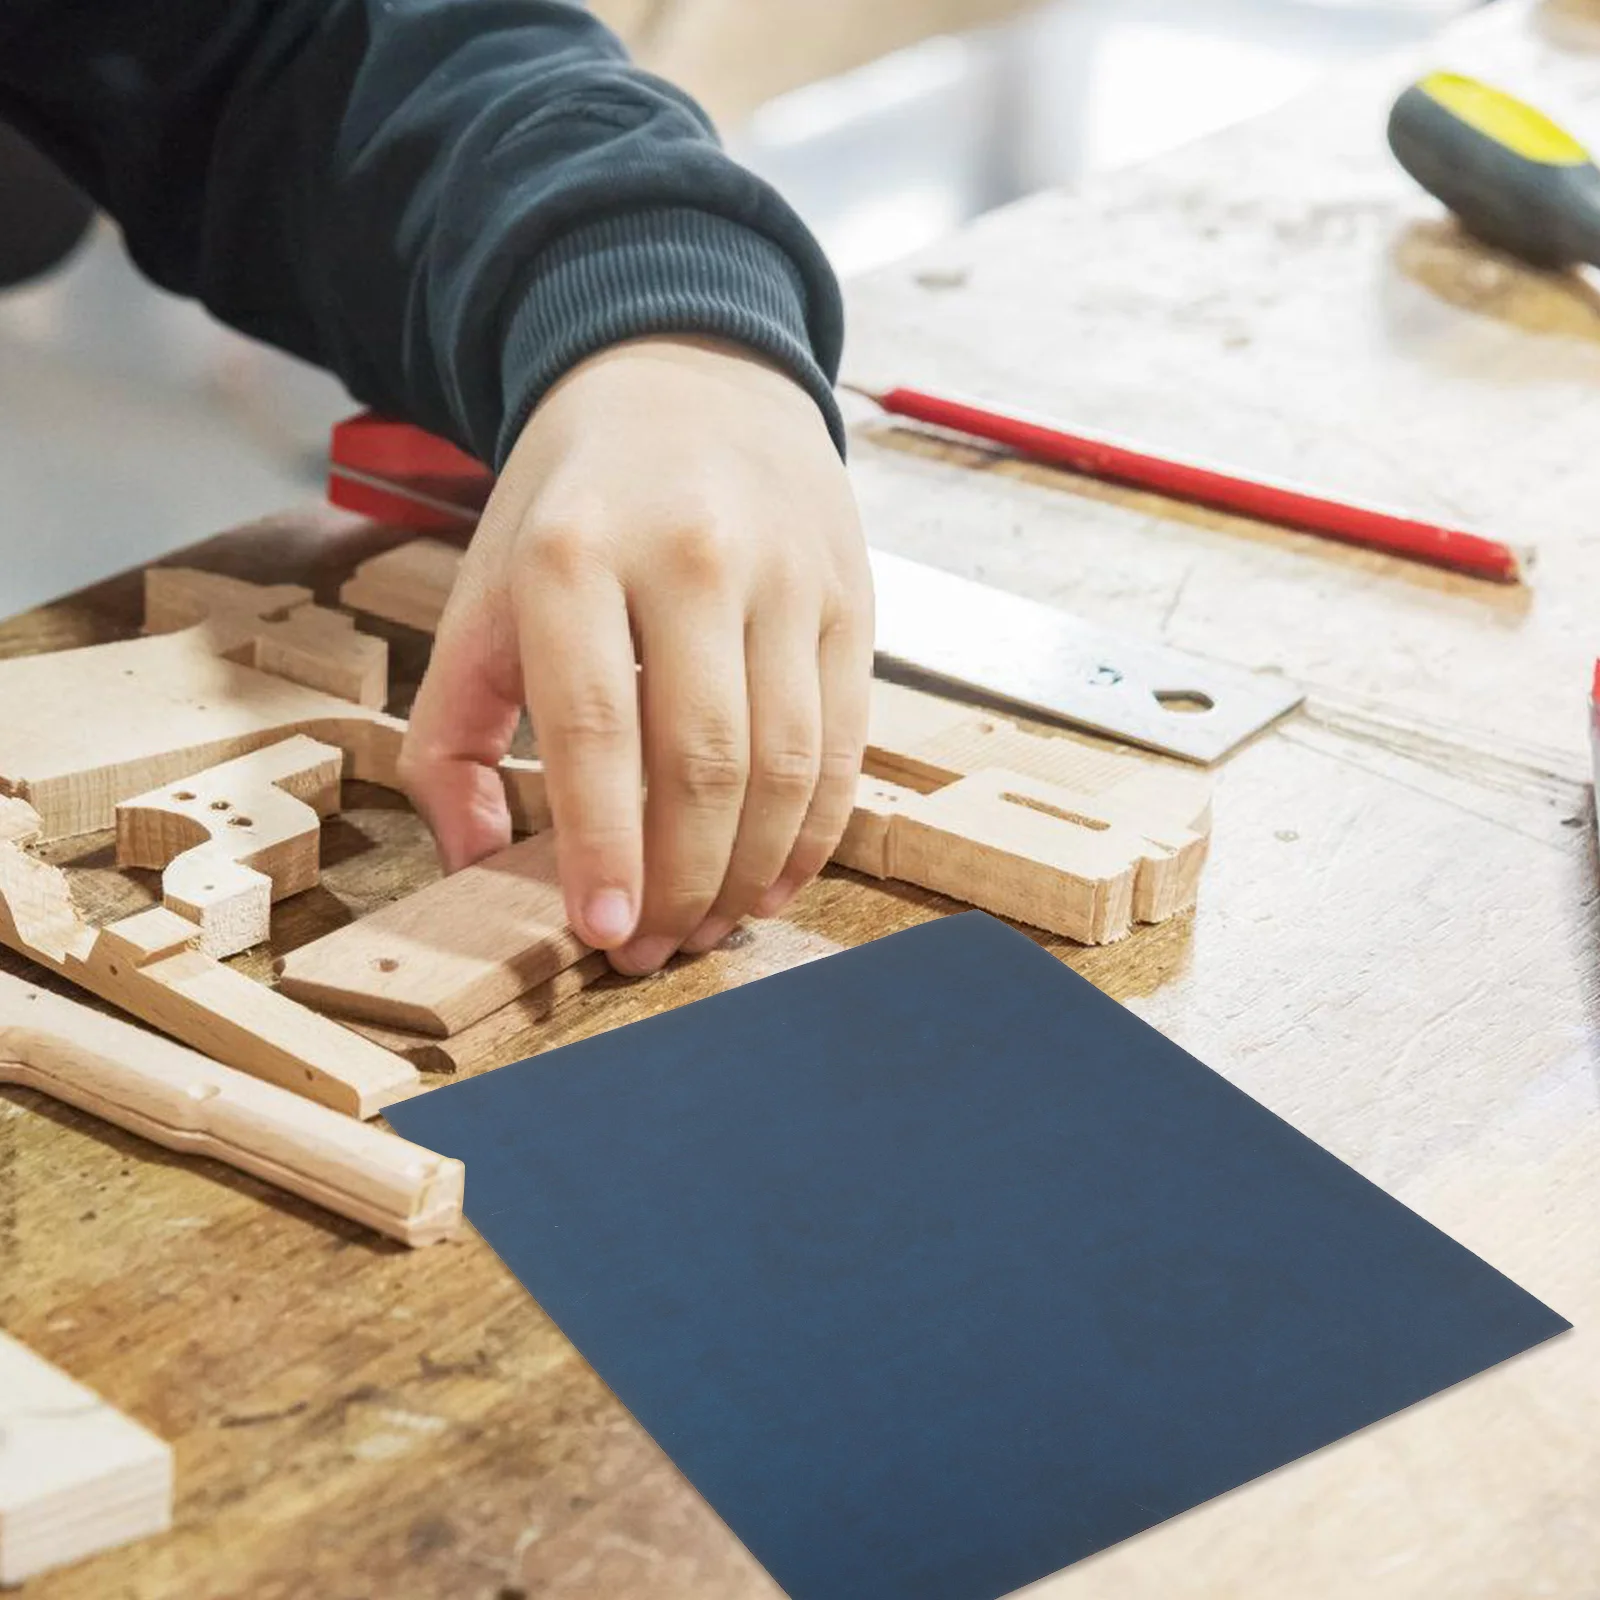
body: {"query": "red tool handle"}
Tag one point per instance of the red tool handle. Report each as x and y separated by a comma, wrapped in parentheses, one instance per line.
(1207, 486)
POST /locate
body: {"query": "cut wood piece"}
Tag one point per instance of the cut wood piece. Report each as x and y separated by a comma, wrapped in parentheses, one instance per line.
(1088, 866)
(182, 1100)
(408, 584)
(1076, 864)
(84, 729)
(274, 628)
(150, 967)
(924, 742)
(509, 1034)
(443, 958)
(235, 838)
(76, 1476)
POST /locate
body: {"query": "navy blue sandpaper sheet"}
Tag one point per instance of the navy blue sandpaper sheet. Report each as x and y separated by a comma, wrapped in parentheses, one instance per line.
(935, 1270)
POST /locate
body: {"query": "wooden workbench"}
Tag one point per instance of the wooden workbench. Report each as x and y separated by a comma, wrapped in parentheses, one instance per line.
(1397, 948)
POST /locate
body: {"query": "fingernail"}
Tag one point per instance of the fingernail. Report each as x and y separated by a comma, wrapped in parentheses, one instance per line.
(775, 899)
(608, 917)
(708, 935)
(643, 956)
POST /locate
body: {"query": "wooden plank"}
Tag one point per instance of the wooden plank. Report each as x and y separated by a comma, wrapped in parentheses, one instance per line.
(512, 1033)
(84, 729)
(149, 966)
(236, 838)
(448, 955)
(76, 1476)
(182, 1100)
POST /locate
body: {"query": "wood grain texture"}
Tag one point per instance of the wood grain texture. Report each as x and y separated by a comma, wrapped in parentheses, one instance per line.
(150, 966)
(1396, 948)
(76, 1476)
(517, 1029)
(233, 839)
(184, 1101)
(447, 956)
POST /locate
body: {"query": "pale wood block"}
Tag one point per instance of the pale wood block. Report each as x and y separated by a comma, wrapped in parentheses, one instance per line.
(76, 1476)
(236, 838)
(445, 957)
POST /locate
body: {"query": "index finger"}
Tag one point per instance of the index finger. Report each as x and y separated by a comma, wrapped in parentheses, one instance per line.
(581, 683)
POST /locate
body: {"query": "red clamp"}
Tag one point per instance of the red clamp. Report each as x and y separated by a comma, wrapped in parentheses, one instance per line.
(395, 473)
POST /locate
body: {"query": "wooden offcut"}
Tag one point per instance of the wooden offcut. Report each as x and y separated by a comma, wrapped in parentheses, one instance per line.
(76, 1475)
(447, 956)
(235, 838)
(182, 1100)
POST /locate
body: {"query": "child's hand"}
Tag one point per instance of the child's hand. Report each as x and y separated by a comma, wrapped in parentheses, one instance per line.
(676, 503)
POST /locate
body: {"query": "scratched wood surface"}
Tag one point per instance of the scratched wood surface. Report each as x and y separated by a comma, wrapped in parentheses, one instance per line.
(1396, 947)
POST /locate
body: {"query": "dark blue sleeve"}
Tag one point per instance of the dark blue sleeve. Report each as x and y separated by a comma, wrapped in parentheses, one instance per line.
(448, 203)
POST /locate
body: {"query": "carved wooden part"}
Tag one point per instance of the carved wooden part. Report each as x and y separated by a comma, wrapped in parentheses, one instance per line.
(445, 957)
(182, 1100)
(84, 729)
(235, 838)
(1086, 865)
(150, 967)
(76, 1476)
(509, 1034)
(274, 628)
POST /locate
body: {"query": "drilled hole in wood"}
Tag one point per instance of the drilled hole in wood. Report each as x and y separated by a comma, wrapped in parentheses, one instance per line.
(1055, 811)
(184, 794)
(1188, 701)
(240, 822)
(219, 805)
(386, 964)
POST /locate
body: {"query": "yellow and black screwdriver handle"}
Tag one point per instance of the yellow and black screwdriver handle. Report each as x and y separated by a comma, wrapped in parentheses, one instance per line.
(1510, 174)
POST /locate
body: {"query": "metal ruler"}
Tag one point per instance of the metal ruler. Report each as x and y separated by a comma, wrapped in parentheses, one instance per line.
(1055, 665)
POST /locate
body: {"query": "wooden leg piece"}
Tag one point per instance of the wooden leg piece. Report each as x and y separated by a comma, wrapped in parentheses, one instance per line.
(178, 1098)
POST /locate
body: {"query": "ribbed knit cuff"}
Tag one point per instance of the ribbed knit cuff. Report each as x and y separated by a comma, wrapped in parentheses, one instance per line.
(665, 271)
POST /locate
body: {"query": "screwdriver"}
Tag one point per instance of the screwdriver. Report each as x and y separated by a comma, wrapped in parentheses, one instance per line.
(1513, 177)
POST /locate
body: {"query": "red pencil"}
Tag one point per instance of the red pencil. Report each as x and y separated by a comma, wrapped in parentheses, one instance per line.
(1210, 486)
